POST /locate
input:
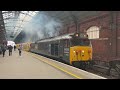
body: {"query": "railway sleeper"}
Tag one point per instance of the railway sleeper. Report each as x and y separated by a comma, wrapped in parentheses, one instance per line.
(104, 70)
(114, 65)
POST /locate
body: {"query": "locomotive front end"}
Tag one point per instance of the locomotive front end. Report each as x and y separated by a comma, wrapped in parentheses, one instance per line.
(81, 49)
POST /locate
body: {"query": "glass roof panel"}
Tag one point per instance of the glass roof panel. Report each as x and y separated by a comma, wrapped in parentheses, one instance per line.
(15, 20)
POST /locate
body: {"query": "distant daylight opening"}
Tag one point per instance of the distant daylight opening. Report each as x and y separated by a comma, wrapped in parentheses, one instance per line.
(93, 32)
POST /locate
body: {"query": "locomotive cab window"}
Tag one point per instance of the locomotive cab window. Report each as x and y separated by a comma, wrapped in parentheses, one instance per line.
(80, 42)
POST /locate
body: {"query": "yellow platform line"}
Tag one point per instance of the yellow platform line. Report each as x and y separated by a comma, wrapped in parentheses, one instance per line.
(76, 76)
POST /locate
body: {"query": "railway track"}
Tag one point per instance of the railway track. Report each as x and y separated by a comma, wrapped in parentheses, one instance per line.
(96, 69)
(103, 71)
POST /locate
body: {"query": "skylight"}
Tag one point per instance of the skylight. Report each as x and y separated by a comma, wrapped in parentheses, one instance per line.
(15, 21)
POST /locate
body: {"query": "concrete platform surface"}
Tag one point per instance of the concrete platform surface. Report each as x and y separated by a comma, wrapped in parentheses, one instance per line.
(28, 67)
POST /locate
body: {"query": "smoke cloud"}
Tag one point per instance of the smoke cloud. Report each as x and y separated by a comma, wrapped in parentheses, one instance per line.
(42, 26)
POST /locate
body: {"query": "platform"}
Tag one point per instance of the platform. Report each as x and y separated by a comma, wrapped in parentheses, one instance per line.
(32, 66)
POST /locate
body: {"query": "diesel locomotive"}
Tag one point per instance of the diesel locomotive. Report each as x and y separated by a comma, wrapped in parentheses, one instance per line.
(74, 49)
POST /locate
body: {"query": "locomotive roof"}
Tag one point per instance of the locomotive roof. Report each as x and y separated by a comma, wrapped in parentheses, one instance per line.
(67, 36)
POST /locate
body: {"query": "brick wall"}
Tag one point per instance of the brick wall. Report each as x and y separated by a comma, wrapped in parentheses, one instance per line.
(101, 47)
(106, 46)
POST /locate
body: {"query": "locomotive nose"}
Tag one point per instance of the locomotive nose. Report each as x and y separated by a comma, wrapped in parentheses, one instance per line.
(82, 55)
(83, 51)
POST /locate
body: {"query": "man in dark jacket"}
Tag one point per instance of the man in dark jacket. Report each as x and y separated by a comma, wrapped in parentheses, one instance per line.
(10, 50)
(0, 50)
(14, 47)
(3, 47)
(20, 49)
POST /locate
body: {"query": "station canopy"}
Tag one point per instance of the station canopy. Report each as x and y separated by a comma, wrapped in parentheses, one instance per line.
(14, 22)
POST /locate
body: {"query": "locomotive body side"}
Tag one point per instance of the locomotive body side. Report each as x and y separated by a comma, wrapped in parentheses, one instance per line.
(65, 49)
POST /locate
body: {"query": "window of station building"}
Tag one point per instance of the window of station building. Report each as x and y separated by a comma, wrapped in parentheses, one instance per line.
(93, 32)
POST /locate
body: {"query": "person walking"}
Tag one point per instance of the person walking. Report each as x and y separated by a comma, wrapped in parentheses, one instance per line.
(0, 50)
(3, 47)
(20, 48)
(10, 50)
(14, 47)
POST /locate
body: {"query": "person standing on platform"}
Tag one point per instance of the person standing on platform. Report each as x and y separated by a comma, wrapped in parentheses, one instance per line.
(20, 48)
(0, 50)
(3, 47)
(10, 50)
(14, 47)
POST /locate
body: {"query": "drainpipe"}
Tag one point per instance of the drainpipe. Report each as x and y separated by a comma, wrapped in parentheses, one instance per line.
(116, 34)
(111, 29)
(114, 27)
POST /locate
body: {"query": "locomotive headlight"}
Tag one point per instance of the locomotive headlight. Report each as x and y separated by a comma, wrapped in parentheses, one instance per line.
(76, 35)
(83, 51)
(74, 51)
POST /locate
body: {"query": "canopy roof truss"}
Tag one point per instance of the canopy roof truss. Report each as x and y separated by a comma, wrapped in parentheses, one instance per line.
(15, 21)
